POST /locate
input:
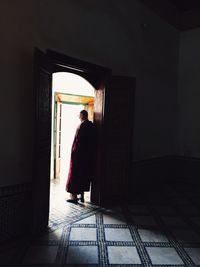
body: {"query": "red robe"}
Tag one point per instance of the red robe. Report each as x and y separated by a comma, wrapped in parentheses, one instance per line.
(82, 159)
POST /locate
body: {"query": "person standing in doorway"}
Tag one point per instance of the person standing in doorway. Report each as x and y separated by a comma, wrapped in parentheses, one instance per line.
(82, 159)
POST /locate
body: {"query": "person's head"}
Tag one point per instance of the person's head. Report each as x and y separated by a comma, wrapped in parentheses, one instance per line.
(83, 115)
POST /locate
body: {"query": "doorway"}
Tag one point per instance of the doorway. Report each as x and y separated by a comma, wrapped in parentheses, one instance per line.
(46, 64)
(70, 94)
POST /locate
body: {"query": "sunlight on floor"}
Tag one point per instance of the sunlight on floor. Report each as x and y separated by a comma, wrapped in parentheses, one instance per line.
(62, 211)
(58, 193)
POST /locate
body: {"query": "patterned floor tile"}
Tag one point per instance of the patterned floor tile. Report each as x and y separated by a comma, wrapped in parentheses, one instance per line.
(117, 234)
(40, 255)
(148, 232)
(55, 235)
(82, 255)
(147, 235)
(83, 234)
(194, 254)
(88, 220)
(144, 220)
(186, 236)
(138, 209)
(123, 255)
(113, 219)
(164, 256)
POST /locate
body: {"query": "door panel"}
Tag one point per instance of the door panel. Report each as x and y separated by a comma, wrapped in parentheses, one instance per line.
(42, 148)
(98, 122)
(118, 138)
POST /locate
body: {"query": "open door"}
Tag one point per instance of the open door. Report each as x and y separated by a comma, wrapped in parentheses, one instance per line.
(97, 76)
(45, 65)
(42, 146)
(98, 122)
(118, 139)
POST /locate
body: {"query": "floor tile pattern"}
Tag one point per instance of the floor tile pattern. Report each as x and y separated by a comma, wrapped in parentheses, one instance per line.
(160, 229)
(62, 212)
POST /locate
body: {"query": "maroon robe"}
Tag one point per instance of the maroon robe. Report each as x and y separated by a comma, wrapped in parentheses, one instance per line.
(82, 159)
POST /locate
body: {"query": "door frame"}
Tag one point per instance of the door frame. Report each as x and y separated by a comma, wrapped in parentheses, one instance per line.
(97, 76)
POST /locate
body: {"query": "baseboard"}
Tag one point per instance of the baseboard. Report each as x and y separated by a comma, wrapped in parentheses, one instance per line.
(15, 189)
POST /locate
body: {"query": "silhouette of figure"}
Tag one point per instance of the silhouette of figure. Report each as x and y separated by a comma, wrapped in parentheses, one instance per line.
(82, 159)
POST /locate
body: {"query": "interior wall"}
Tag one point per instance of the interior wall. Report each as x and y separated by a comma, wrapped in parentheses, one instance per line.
(156, 111)
(189, 93)
(122, 35)
(17, 27)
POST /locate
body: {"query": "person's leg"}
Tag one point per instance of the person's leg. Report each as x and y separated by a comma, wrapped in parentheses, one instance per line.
(73, 198)
(82, 197)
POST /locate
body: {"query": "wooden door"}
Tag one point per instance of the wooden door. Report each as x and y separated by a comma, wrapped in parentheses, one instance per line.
(117, 138)
(42, 147)
(99, 104)
(97, 77)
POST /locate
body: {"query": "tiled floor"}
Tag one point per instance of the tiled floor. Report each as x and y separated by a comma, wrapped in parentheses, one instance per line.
(61, 211)
(155, 230)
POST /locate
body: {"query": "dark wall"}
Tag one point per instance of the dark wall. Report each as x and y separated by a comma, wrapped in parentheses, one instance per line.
(124, 36)
(189, 94)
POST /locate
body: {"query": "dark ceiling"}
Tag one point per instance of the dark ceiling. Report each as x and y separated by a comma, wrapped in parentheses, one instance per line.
(182, 14)
(185, 5)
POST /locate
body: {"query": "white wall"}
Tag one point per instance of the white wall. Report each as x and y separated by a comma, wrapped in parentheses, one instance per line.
(107, 32)
(189, 93)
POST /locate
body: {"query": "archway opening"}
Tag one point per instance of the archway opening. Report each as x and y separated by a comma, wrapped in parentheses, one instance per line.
(70, 94)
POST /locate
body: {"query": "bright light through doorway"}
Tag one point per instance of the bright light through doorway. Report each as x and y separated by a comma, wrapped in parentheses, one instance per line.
(69, 123)
(66, 84)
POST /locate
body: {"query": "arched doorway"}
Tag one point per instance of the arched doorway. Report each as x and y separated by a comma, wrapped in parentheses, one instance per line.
(45, 65)
(70, 94)
(113, 119)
